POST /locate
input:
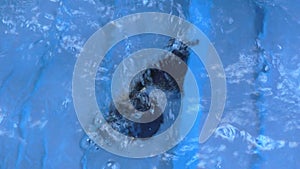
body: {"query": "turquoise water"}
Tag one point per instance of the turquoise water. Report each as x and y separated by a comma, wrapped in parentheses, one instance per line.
(257, 41)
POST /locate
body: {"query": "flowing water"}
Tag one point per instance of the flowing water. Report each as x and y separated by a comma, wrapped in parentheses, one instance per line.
(258, 42)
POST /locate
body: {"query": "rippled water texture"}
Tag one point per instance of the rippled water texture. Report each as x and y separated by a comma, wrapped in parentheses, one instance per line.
(258, 42)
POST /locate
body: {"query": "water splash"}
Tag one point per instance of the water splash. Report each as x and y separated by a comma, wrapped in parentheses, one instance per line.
(260, 142)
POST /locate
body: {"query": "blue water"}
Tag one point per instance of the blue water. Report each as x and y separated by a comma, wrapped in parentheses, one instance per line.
(257, 41)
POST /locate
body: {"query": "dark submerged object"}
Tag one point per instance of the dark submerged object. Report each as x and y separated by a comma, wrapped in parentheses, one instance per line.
(140, 87)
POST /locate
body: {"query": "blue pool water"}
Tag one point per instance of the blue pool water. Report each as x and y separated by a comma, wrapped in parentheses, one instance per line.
(257, 41)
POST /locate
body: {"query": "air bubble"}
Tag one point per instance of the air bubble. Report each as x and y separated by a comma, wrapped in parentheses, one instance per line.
(266, 68)
(88, 144)
(230, 20)
(111, 165)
